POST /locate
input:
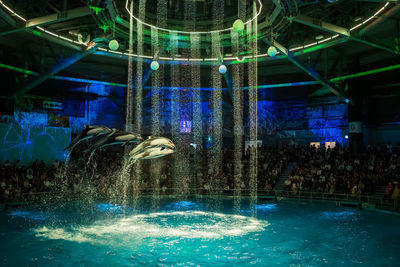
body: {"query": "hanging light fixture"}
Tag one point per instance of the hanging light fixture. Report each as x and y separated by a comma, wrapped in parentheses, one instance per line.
(154, 65)
(238, 26)
(113, 45)
(222, 69)
(271, 51)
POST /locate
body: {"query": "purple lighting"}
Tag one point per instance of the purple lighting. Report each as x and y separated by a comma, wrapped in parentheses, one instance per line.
(185, 126)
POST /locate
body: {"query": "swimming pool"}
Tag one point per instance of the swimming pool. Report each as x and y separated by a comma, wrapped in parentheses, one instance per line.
(205, 232)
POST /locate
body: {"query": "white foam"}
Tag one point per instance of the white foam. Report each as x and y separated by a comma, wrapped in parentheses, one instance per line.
(207, 225)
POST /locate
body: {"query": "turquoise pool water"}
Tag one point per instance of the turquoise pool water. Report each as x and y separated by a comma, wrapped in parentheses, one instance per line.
(198, 232)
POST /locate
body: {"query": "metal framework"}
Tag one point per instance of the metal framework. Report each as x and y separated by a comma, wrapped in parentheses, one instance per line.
(7, 18)
(50, 19)
(302, 48)
(321, 25)
(311, 72)
(379, 20)
(57, 68)
(302, 83)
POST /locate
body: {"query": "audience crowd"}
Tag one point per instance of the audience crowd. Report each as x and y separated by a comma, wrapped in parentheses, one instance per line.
(17, 180)
(337, 171)
(313, 169)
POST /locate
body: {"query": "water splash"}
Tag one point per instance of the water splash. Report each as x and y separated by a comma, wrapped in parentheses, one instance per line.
(123, 181)
(176, 224)
(92, 153)
(66, 167)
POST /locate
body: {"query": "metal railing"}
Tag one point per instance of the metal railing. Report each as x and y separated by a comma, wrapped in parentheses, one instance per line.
(384, 203)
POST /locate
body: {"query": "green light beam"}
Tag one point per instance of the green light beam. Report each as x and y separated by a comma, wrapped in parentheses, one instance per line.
(267, 86)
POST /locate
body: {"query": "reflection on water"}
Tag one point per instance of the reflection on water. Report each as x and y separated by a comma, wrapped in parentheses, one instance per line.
(267, 207)
(107, 207)
(335, 215)
(32, 215)
(193, 232)
(183, 205)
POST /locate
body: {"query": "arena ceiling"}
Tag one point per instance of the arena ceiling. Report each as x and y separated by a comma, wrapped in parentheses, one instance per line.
(334, 39)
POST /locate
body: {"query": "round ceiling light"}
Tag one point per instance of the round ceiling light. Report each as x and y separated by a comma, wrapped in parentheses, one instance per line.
(222, 69)
(238, 26)
(154, 65)
(113, 45)
(271, 51)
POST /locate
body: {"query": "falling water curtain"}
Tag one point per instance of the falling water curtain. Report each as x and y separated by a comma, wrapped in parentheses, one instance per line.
(238, 80)
(216, 80)
(197, 123)
(188, 79)
(129, 90)
(252, 76)
(157, 80)
(175, 117)
(136, 181)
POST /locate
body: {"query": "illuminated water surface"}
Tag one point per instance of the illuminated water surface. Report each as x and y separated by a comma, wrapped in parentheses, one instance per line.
(190, 232)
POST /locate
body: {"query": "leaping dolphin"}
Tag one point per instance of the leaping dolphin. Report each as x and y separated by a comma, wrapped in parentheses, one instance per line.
(154, 147)
(116, 137)
(87, 133)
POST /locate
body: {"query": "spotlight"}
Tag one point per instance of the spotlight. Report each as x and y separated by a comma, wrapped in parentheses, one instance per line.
(113, 45)
(238, 26)
(222, 69)
(346, 137)
(154, 65)
(271, 51)
(346, 100)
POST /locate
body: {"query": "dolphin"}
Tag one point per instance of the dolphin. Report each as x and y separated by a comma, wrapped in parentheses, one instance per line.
(153, 147)
(87, 133)
(116, 137)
